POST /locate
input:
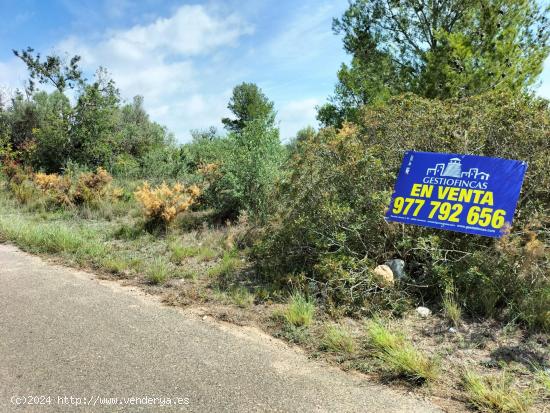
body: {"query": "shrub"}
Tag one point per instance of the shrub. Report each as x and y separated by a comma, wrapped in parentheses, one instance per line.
(92, 187)
(25, 192)
(329, 227)
(399, 356)
(299, 311)
(243, 177)
(163, 203)
(12, 169)
(56, 188)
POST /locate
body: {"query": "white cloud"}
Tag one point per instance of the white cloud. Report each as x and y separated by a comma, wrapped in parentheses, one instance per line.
(186, 64)
(544, 88)
(306, 36)
(12, 75)
(297, 114)
(159, 61)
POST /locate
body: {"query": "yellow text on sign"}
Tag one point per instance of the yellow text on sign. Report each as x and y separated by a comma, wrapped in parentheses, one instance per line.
(448, 193)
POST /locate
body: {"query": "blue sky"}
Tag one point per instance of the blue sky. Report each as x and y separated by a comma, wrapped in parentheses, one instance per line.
(185, 57)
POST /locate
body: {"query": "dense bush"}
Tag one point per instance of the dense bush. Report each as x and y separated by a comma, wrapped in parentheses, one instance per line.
(243, 175)
(46, 132)
(163, 204)
(53, 191)
(329, 230)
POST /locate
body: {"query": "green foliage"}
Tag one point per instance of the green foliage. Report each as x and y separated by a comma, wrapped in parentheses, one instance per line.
(248, 103)
(240, 170)
(436, 49)
(46, 132)
(299, 311)
(248, 170)
(52, 70)
(241, 297)
(51, 139)
(226, 268)
(399, 356)
(302, 136)
(329, 227)
(96, 119)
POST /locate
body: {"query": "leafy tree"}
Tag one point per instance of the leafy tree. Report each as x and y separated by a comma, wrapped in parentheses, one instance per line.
(250, 166)
(206, 147)
(48, 132)
(22, 119)
(96, 138)
(5, 144)
(138, 134)
(248, 103)
(437, 49)
(52, 70)
(52, 142)
(302, 136)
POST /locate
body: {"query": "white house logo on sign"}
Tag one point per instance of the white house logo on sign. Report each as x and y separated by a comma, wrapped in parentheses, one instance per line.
(454, 170)
(453, 173)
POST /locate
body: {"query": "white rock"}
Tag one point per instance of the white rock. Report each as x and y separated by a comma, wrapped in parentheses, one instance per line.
(398, 267)
(423, 312)
(383, 275)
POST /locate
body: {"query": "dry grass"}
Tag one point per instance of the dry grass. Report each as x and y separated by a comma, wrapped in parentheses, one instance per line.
(452, 310)
(495, 393)
(400, 356)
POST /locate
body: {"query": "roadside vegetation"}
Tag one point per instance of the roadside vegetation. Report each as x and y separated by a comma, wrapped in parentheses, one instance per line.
(288, 237)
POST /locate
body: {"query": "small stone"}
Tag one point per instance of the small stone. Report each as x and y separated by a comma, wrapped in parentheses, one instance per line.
(383, 275)
(398, 268)
(423, 312)
(452, 330)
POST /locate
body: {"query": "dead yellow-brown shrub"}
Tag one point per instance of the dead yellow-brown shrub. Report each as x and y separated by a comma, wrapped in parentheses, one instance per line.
(163, 203)
(56, 187)
(91, 187)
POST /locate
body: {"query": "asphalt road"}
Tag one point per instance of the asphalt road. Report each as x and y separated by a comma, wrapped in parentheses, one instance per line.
(69, 342)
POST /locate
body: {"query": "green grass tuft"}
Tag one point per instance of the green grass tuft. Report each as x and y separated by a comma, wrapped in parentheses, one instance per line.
(227, 267)
(180, 252)
(495, 394)
(41, 237)
(299, 311)
(158, 271)
(400, 356)
(241, 297)
(451, 310)
(542, 379)
(337, 339)
(115, 265)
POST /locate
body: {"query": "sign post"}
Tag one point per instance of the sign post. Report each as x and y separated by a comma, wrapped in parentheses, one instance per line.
(464, 193)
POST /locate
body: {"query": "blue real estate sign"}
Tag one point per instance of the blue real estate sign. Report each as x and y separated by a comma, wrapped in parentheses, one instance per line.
(465, 193)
